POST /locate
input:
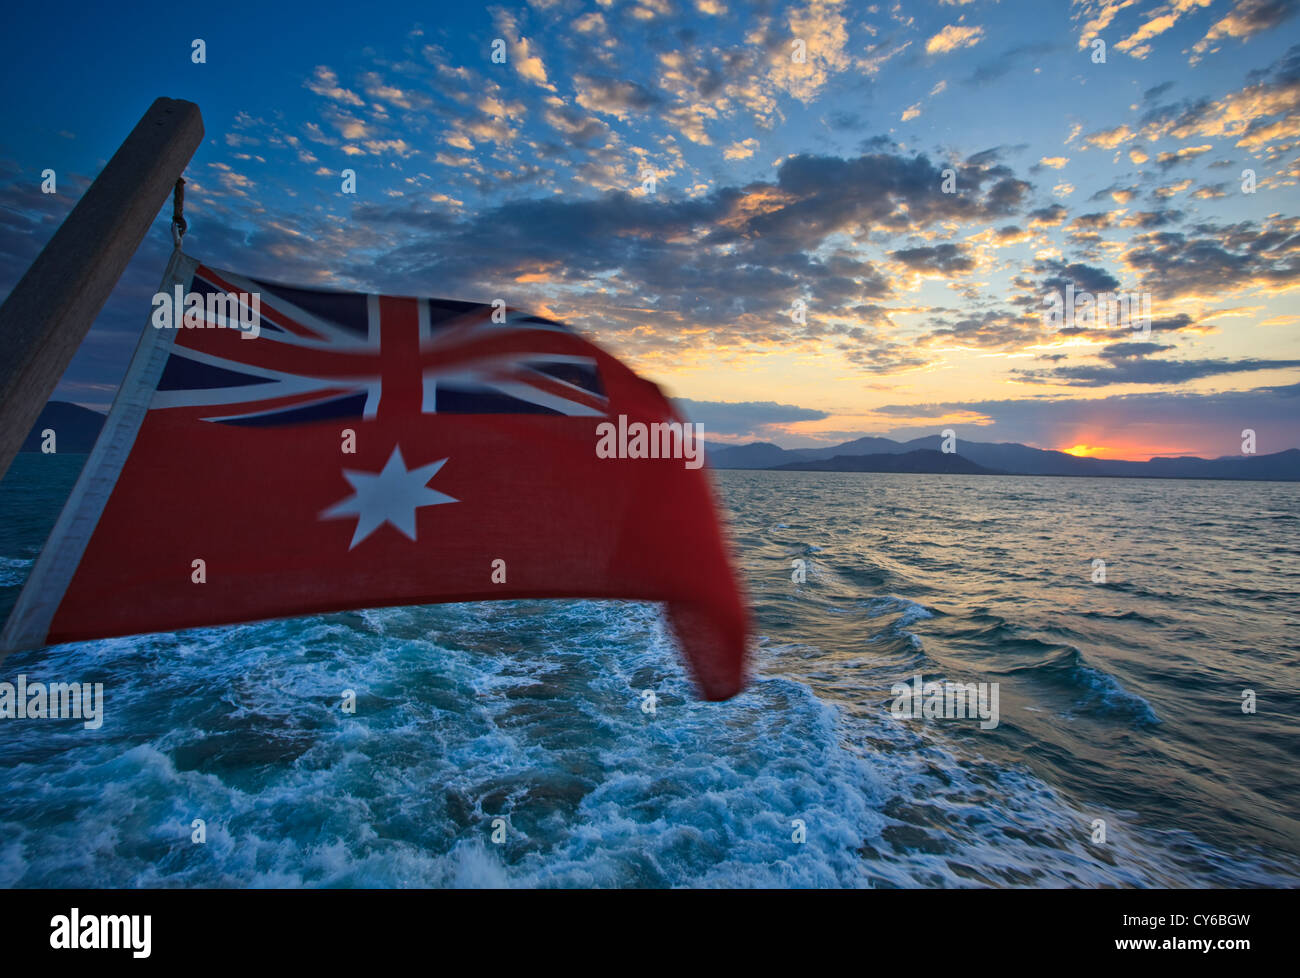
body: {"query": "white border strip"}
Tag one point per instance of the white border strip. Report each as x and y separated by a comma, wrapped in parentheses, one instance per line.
(29, 622)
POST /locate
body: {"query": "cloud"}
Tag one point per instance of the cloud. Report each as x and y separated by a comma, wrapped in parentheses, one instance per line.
(577, 128)
(946, 259)
(953, 38)
(1161, 19)
(886, 357)
(745, 418)
(1098, 15)
(378, 89)
(1216, 260)
(1057, 276)
(326, 83)
(1097, 221)
(657, 276)
(879, 55)
(741, 150)
(613, 96)
(523, 55)
(1245, 20)
(1266, 110)
(1104, 333)
(823, 29)
(1131, 363)
(993, 330)
(1110, 138)
(1045, 217)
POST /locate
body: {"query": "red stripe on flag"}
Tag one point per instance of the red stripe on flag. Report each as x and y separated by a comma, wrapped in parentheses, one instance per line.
(401, 387)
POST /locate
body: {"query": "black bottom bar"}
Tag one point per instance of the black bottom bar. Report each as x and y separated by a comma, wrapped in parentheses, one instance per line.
(334, 927)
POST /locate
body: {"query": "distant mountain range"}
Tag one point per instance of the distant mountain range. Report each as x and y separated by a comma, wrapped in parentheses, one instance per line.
(921, 460)
(75, 428)
(1006, 458)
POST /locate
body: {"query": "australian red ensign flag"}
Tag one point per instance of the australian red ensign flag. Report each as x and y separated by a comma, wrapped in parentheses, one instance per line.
(353, 451)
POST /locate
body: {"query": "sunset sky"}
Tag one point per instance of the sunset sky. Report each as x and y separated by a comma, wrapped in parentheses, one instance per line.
(774, 181)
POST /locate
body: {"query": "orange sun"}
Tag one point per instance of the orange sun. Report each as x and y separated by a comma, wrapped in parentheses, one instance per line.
(1083, 451)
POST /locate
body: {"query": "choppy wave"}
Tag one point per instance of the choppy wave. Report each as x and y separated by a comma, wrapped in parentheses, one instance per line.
(13, 571)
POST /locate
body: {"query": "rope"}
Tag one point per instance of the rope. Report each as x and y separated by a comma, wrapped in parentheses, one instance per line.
(179, 226)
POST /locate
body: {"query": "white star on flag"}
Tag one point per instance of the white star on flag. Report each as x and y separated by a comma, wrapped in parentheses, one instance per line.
(390, 496)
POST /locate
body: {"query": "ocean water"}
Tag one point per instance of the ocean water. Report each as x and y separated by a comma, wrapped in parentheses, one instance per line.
(1118, 701)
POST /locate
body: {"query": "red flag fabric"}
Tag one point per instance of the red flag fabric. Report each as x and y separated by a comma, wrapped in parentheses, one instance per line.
(278, 451)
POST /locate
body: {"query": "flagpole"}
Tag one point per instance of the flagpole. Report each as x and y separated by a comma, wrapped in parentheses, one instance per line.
(49, 311)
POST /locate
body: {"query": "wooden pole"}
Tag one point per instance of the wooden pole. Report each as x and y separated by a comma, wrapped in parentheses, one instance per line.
(51, 308)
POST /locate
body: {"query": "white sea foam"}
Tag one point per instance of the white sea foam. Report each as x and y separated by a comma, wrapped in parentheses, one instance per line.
(548, 735)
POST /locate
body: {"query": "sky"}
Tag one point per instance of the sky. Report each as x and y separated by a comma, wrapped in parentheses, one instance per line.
(807, 221)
